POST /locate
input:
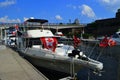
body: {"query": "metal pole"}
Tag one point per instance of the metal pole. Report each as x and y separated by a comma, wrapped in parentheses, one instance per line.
(72, 69)
(1, 37)
(5, 35)
(88, 75)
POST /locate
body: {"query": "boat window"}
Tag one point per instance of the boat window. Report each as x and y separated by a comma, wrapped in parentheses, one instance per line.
(64, 40)
(36, 42)
(32, 41)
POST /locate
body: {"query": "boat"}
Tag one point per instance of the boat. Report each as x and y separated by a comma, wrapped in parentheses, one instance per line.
(42, 48)
(10, 37)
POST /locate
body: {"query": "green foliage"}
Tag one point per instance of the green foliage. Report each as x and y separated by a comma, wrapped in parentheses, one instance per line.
(86, 35)
(70, 34)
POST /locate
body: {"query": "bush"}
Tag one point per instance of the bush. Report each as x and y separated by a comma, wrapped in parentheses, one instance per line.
(86, 36)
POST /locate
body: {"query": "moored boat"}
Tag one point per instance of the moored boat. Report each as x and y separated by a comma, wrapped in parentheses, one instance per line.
(44, 49)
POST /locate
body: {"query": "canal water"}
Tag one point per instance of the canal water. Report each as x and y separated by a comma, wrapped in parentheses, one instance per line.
(110, 63)
(109, 71)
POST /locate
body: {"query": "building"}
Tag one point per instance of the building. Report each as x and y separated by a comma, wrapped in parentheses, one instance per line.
(104, 26)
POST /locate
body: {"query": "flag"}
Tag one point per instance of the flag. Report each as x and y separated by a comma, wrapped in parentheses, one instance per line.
(76, 41)
(111, 42)
(49, 43)
(107, 42)
(104, 42)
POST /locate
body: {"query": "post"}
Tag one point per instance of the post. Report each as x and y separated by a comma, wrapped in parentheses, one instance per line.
(72, 69)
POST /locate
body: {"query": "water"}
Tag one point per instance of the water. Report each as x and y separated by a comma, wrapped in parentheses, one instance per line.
(51, 74)
(109, 61)
(109, 71)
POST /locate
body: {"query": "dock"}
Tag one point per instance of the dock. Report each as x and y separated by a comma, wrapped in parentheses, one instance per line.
(14, 67)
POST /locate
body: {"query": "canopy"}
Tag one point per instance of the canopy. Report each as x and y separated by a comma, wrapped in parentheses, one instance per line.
(37, 20)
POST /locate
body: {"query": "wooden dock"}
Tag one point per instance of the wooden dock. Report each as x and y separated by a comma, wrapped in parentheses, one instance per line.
(14, 67)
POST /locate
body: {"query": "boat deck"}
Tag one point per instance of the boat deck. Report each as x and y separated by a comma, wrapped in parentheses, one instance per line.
(14, 67)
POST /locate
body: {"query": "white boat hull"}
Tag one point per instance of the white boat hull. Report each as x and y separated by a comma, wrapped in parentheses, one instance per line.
(56, 62)
(57, 65)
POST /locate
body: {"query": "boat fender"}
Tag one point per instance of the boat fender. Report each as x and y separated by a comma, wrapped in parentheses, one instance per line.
(70, 55)
(83, 56)
(78, 54)
(75, 53)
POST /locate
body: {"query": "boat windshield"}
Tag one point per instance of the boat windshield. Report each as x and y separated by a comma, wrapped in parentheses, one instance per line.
(68, 41)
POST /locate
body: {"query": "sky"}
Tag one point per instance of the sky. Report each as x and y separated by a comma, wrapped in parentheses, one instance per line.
(57, 11)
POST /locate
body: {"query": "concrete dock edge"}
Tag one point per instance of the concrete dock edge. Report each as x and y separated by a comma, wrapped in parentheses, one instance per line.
(14, 67)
